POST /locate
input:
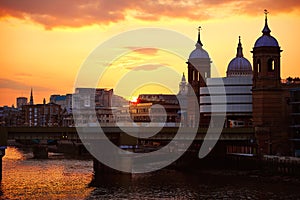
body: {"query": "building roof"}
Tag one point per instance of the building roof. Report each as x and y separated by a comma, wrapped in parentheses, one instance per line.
(60, 98)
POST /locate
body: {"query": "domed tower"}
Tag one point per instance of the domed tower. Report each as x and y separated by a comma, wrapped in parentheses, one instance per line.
(198, 67)
(183, 89)
(239, 66)
(268, 117)
(266, 59)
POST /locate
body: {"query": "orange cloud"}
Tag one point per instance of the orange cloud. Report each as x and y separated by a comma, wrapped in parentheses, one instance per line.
(144, 51)
(147, 67)
(18, 85)
(76, 13)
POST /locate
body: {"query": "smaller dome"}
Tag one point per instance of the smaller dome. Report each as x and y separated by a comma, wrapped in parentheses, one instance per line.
(239, 66)
(199, 52)
(266, 41)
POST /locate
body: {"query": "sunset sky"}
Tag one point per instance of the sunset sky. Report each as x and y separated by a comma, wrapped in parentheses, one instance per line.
(44, 43)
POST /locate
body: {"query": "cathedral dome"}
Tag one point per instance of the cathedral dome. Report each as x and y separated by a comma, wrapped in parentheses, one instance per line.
(266, 40)
(239, 66)
(199, 52)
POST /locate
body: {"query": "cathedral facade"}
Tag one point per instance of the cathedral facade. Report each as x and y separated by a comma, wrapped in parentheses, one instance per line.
(256, 98)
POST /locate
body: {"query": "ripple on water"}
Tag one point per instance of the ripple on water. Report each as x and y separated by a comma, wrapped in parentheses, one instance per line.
(61, 178)
(27, 178)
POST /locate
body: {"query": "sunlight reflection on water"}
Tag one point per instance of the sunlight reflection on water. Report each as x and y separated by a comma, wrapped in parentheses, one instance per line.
(27, 178)
(62, 178)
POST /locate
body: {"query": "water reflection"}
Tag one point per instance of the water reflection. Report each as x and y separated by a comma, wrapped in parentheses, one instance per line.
(27, 178)
(14, 154)
(62, 178)
(170, 184)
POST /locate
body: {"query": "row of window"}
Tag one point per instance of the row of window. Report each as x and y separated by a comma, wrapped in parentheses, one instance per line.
(270, 65)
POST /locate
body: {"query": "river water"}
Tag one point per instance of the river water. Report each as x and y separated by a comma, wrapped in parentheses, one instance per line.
(60, 177)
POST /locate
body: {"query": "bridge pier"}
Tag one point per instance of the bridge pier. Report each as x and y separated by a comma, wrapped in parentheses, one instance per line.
(2, 154)
(106, 175)
(40, 151)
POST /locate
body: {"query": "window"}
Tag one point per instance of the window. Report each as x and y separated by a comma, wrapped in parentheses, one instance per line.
(258, 66)
(193, 75)
(271, 65)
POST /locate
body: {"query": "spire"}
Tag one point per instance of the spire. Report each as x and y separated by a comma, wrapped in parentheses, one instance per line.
(183, 78)
(199, 41)
(266, 30)
(239, 52)
(31, 98)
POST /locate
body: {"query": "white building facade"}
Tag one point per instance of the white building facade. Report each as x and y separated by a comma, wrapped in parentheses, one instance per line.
(237, 96)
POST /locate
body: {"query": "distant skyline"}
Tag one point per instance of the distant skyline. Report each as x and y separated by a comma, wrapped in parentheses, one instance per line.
(44, 43)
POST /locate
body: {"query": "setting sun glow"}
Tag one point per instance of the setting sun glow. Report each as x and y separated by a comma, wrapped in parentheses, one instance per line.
(43, 45)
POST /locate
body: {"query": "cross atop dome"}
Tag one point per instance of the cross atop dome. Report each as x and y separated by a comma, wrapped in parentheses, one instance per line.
(239, 52)
(199, 41)
(266, 30)
(266, 12)
(199, 52)
(266, 40)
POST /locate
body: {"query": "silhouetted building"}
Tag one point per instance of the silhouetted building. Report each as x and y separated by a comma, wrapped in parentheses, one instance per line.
(259, 98)
(270, 116)
(31, 98)
(294, 102)
(94, 105)
(182, 97)
(65, 101)
(10, 116)
(199, 69)
(145, 109)
(103, 97)
(21, 101)
(92, 97)
(42, 115)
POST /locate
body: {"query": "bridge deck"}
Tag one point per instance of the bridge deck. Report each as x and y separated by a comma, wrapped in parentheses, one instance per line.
(70, 133)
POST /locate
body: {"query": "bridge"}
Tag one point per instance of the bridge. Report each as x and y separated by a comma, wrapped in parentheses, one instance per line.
(117, 135)
(70, 133)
